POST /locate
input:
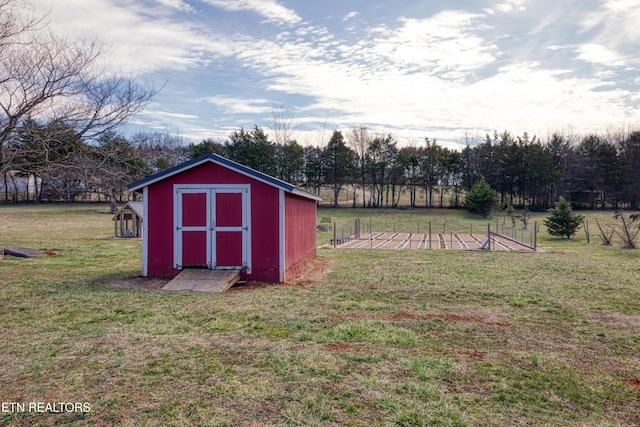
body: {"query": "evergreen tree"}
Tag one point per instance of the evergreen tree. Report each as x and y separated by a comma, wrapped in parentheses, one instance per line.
(339, 164)
(481, 198)
(253, 149)
(562, 221)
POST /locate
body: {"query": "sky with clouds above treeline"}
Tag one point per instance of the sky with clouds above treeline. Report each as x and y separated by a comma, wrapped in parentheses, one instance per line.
(439, 69)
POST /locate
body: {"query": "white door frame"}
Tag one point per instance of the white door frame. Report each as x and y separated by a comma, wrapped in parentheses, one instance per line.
(210, 228)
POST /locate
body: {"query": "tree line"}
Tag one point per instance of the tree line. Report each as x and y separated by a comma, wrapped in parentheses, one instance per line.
(368, 170)
(593, 171)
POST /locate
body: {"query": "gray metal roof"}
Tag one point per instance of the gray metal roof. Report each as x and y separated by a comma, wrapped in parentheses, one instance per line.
(137, 207)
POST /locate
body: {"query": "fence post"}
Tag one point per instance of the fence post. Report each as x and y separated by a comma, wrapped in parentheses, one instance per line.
(535, 235)
(335, 237)
(370, 234)
(488, 236)
(586, 230)
(429, 234)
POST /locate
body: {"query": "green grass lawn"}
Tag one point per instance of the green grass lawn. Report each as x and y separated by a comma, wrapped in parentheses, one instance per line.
(371, 338)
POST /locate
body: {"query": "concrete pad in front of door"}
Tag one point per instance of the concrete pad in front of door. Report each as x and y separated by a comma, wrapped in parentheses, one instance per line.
(203, 280)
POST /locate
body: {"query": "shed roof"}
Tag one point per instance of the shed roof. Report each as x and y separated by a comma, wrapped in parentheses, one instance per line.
(136, 206)
(226, 163)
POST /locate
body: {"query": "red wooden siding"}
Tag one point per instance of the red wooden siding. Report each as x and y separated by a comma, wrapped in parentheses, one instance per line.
(300, 233)
(264, 220)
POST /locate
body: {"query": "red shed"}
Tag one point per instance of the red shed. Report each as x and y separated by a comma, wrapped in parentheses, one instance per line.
(214, 213)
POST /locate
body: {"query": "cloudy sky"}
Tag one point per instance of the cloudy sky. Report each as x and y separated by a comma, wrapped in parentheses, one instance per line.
(414, 68)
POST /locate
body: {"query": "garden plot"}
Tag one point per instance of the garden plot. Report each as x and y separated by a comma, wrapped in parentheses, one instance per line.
(452, 241)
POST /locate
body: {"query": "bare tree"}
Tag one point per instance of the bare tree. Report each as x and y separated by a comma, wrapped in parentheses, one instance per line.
(160, 150)
(48, 78)
(281, 124)
(359, 141)
(627, 231)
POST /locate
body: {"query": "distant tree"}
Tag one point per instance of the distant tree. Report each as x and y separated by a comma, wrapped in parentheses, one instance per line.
(538, 177)
(409, 160)
(630, 153)
(359, 140)
(281, 124)
(112, 163)
(49, 154)
(381, 158)
(205, 147)
(453, 175)
(159, 150)
(314, 167)
(481, 198)
(432, 167)
(339, 164)
(253, 149)
(562, 221)
(290, 161)
(562, 154)
(598, 167)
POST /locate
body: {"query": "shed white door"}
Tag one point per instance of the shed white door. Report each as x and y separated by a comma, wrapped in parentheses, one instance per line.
(212, 227)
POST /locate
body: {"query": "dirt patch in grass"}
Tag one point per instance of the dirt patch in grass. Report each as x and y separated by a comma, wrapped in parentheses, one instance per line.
(314, 272)
(619, 321)
(470, 354)
(403, 315)
(633, 384)
(345, 347)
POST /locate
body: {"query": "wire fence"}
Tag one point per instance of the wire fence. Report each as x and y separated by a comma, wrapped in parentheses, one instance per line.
(438, 233)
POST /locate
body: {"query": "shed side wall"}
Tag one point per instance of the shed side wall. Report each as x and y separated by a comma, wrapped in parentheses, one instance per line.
(300, 234)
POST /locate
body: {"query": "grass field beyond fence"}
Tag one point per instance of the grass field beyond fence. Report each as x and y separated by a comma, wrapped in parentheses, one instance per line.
(366, 338)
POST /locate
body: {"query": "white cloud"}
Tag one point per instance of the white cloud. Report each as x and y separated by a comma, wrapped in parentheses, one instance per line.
(416, 77)
(171, 115)
(390, 77)
(134, 41)
(235, 105)
(270, 9)
(598, 54)
(512, 5)
(177, 4)
(527, 97)
(444, 43)
(350, 15)
(616, 27)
